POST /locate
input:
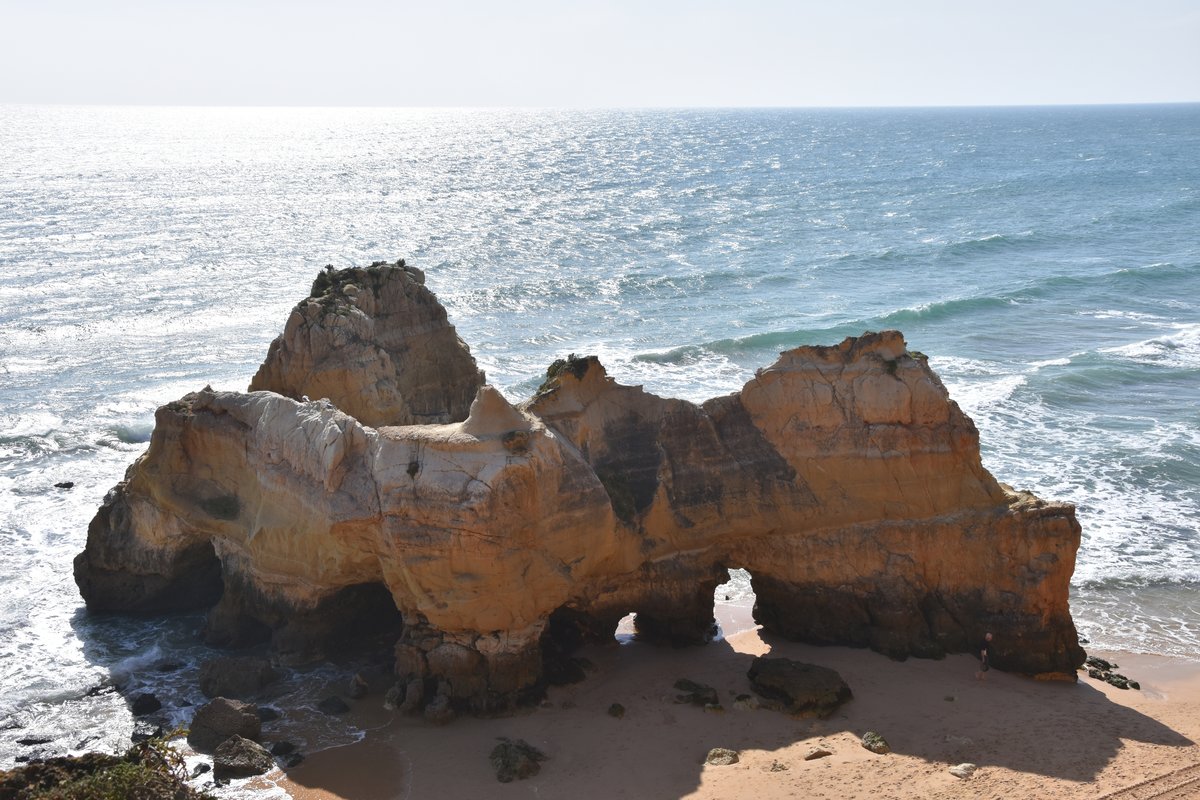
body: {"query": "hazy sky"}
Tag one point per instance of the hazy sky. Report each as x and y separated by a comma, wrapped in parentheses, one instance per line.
(616, 53)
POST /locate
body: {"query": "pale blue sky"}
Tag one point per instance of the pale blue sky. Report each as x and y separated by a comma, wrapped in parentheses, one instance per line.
(618, 53)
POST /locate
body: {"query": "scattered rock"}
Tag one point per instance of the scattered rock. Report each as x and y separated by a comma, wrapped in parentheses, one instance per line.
(616, 710)
(358, 687)
(145, 703)
(745, 702)
(236, 677)
(394, 696)
(721, 757)
(714, 708)
(200, 769)
(963, 771)
(778, 766)
(221, 718)
(515, 760)
(439, 710)
(65, 485)
(238, 757)
(30, 741)
(875, 743)
(1102, 670)
(414, 693)
(333, 705)
(817, 752)
(696, 693)
(146, 729)
(798, 688)
(267, 714)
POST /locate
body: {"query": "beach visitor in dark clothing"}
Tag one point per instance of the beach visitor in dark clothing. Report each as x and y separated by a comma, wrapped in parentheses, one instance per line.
(985, 652)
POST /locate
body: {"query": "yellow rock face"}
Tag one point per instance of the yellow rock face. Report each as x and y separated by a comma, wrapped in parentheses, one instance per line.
(843, 478)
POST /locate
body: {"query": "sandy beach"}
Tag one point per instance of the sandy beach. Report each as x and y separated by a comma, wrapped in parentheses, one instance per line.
(1029, 739)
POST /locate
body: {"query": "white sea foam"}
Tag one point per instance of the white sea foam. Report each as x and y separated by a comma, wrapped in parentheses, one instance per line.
(1180, 349)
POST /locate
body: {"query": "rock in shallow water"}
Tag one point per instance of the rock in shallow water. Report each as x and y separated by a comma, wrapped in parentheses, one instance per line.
(237, 757)
(219, 719)
(236, 677)
(145, 703)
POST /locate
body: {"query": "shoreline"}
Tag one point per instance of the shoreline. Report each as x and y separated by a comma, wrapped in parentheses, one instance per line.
(1028, 738)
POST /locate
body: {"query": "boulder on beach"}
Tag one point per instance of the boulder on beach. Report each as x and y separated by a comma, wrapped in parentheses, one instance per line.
(515, 760)
(798, 688)
(875, 742)
(721, 757)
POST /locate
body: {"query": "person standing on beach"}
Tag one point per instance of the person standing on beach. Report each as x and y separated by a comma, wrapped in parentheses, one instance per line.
(985, 649)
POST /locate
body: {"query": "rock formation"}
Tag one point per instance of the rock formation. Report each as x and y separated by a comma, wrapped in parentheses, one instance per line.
(376, 343)
(489, 545)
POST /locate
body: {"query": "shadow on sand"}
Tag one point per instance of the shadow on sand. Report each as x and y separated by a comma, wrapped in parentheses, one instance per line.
(935, 711)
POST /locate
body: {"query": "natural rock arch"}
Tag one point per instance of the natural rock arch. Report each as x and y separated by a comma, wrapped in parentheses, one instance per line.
(842, 477)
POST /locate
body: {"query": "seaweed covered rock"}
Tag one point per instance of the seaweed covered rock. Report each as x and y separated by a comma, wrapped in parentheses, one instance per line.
(515, 760)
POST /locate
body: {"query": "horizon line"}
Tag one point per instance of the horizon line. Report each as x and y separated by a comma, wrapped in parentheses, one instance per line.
(519, 107)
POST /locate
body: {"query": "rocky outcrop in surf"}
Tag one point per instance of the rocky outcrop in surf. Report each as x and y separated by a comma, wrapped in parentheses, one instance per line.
(489, 546)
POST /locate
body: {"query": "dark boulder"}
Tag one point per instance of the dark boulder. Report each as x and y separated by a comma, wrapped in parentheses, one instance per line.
(515, 760)
(218, 720)
(238, 757)
(798, 688)
(144, 729)
(333, 705)
(145, 703)
(237, 677)
(696, 693)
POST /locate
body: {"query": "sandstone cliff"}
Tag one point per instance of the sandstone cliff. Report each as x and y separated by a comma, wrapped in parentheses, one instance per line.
(843, 478)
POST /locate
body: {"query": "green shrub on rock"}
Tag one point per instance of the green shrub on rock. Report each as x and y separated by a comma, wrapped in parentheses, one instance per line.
(150, 770)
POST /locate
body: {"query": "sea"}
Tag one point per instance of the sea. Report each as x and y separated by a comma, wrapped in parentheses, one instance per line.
(1047, 260)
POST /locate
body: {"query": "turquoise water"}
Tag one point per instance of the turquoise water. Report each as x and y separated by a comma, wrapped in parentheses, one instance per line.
(1048, 260)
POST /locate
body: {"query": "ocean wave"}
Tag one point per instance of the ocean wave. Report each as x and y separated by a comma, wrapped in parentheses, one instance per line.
(1180, 350)
(989, 243)
(1123, 280)
(134, 432)
(942, 310)
(756, 344)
